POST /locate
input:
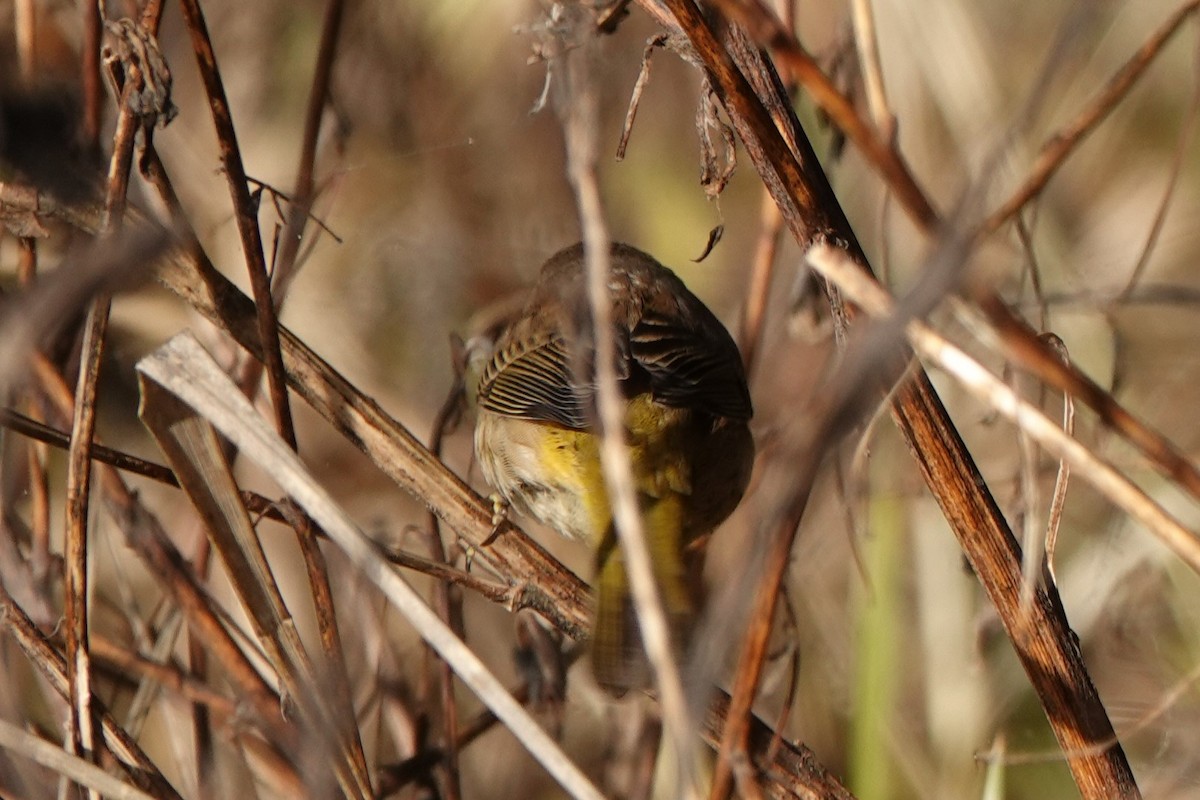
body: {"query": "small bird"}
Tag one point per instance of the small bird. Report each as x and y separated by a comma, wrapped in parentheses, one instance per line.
(686, 414)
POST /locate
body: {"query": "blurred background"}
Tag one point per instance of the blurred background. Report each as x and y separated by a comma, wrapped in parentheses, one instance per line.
(446, 191)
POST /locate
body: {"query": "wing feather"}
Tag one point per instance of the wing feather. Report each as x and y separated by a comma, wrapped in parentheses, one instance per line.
(691, 366)
(536, 381)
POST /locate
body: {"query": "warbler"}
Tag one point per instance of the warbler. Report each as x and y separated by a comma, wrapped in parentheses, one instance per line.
(686, 414)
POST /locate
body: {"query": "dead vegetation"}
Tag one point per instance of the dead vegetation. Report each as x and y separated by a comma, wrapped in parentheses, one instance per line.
(1015, 616)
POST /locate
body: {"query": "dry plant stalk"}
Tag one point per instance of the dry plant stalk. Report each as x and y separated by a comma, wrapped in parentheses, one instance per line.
(577, 107)
(182, 369)
(1049, 651)
(527, 576)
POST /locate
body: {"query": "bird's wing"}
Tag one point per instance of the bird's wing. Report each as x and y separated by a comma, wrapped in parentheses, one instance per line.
(536, 380)
(690, 366)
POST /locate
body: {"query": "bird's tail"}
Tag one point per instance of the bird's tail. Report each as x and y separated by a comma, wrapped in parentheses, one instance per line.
(618, 656)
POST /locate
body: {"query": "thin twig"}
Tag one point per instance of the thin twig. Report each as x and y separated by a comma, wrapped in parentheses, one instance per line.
(245, 213)
(501, 594)
(1183, 149)
(300, 208)
(1063, 143)
(79, 467)
(40, 432)
(1115, 486)
(1059, 498)
(866, 40)
(758, 292)
(810, 209)
(768, 31)
(93, 88)
(447, 602)
(75, 551)
(578, 109)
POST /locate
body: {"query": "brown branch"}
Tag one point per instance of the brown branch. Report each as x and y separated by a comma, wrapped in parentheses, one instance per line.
(1023, 346)
(51, 664)
(79, 467)
(301, 200)
(75, 549)
(40, 432)
(767, 31)
(1049, 651)
(499, 593)
(1062, 144)
(93, 89)
(754, 314)
(246, 215)
(145, 536)
(447, 601)
(1041, 634)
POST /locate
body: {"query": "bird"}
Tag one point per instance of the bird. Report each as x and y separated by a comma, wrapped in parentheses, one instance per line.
(686, 413)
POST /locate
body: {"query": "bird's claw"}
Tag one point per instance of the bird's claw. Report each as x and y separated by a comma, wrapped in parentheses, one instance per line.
(499, 516)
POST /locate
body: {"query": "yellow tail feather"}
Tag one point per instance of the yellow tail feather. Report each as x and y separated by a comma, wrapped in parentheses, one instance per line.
(618, 658)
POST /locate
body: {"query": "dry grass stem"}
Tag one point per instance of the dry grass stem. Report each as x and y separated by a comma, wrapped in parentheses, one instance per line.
(1059, 498)
(929, 345)
(245, 214)
(95, 780)
(186, 371)
(577, 108)
(282, 668)
(1059, 147)
(866, 41)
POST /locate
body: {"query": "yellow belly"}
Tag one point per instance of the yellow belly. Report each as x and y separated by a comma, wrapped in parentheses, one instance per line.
(554, 473)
